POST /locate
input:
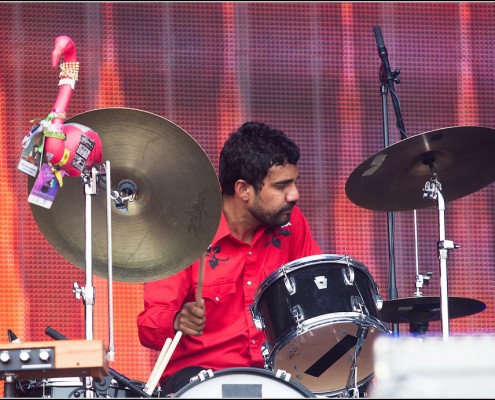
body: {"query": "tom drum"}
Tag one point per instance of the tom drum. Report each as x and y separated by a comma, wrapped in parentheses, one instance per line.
(317, 314)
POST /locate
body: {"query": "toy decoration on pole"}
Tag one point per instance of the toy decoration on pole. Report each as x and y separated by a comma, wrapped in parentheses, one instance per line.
(68, 148)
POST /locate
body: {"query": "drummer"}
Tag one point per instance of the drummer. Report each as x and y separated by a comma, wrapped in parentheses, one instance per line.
(261, 228)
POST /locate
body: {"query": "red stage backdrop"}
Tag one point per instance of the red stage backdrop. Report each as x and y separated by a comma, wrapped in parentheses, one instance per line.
(310, 69)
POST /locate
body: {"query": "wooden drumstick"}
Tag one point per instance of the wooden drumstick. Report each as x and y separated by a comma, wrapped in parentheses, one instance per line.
(200, 280)
(169, 346)
(160, 367)
(153, 374)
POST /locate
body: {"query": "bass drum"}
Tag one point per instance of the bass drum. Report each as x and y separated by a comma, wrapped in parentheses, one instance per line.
(317, 313)
(243, 383)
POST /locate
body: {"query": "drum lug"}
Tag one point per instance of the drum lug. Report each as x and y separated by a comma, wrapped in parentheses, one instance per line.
(282, 374)
(298, 315)
(265, 352)
(358, 305)
(289, 283)
(202, 375)
(258, 322)
(348, 273)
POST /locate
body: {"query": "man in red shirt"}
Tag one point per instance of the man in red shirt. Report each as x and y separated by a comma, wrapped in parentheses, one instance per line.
(261, 228)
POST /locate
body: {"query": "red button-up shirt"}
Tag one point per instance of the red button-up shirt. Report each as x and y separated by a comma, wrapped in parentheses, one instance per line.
(233, 271)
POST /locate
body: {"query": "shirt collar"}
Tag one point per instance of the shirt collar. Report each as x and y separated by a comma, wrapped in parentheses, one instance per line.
(224, 230)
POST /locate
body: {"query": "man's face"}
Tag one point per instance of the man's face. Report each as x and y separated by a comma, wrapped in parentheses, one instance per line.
(273, 204)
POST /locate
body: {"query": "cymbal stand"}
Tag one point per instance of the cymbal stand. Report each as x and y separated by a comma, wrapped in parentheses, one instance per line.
(419, 329)
(108, 183)
(90, 181)
(433, 190)
(420, 278)
(87, 293)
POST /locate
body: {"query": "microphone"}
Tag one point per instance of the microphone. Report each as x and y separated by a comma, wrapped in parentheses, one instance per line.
(121, 379)
(13, 337)
(382, 52)
(55, 334)
(390, 78)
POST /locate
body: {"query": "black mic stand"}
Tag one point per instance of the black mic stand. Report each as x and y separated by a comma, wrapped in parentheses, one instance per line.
(387, 80)
(392, 285)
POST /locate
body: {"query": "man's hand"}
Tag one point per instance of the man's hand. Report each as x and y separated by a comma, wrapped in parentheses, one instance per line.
(191, 319)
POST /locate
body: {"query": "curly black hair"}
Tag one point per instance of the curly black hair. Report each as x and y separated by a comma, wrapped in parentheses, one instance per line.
(251, 151)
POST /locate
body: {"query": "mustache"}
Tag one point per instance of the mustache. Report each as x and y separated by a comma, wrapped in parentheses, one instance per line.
(288, 207)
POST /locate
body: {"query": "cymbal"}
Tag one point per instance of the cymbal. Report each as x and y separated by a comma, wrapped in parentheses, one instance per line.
(176, 210)
(425, 309)
(393, 179)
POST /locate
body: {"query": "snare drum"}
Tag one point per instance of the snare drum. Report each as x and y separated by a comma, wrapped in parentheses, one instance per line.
(243, 382)
(315, 312)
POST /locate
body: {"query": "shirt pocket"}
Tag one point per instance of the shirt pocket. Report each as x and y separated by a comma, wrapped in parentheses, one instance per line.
(222, 303)
(219, 292)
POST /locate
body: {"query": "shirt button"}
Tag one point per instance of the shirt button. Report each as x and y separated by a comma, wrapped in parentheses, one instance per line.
(249, 282)
(250, 252)
(217, 298)
(253, 341)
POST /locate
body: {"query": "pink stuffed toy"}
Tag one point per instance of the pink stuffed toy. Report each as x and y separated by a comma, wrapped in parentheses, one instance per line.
(69, 147)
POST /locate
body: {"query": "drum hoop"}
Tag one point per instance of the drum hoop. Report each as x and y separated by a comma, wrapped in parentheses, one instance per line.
(315, 322)
(256, 371)
(354, 317)
(309, 260)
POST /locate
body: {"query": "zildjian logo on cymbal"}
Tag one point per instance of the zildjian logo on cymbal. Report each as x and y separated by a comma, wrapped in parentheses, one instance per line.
(197, 214)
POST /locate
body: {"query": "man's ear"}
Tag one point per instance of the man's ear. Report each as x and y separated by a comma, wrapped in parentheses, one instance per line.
(242, 189)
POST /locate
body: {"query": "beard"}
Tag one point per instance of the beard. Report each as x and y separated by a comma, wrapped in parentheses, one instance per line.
(274, 219)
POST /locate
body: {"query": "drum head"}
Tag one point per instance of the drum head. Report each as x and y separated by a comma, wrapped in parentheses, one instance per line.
(243, 383)
(321, 356)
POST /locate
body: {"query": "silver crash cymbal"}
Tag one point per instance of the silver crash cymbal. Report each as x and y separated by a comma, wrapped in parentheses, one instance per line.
(174, 216)
(393, 179)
